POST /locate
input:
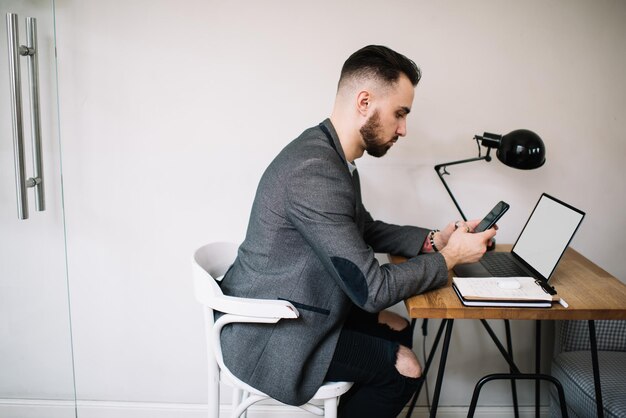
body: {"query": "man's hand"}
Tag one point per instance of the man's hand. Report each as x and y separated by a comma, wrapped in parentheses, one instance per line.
(464, 246)
(442, 237)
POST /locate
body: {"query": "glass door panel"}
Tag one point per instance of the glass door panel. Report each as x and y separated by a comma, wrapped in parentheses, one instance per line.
(36, 365)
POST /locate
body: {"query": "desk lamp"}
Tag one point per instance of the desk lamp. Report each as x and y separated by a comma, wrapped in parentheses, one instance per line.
(521, 149)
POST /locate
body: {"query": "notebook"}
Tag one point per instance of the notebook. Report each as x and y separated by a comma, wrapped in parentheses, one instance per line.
(539, 247)
(489, 291)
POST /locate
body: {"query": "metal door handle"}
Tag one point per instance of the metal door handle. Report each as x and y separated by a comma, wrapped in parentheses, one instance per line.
(30, 51)
(35, 118)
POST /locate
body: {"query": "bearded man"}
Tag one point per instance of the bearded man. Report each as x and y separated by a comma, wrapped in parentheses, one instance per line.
(311, 241)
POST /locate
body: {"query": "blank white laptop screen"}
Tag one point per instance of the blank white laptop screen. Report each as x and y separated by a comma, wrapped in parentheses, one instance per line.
(547, 234)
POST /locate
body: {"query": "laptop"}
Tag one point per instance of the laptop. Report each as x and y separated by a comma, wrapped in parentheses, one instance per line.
(539, 247)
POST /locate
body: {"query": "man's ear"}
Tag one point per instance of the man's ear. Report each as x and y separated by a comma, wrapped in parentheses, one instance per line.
(363, 102)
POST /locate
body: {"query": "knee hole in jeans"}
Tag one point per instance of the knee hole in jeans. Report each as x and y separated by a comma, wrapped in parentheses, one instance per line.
(407, 364)
(392, 320)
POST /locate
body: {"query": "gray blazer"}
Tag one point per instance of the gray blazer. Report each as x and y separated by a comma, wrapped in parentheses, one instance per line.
(310, 241)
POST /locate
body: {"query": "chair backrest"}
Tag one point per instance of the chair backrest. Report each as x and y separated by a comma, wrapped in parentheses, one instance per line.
(216, 258)
(210, 264)
(610, 335)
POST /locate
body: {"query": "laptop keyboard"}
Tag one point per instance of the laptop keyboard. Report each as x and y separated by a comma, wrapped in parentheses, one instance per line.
(501, 265)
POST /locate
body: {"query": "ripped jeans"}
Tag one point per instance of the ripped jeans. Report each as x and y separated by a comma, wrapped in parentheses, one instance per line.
(366, 355)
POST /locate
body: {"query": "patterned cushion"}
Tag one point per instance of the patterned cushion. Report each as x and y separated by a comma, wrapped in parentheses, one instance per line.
(610, 335)
(574, 370)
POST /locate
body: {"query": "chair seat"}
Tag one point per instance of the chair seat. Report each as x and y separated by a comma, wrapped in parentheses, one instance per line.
(332, 390)
(328, 390)
(574, 370)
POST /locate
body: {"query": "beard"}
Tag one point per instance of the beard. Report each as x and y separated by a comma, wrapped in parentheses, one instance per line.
(370, 131)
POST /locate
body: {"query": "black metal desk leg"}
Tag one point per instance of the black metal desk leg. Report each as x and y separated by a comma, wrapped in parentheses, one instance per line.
(429, 360)
(537, 366)
(596, 368)
(509, 347)
(442, 367)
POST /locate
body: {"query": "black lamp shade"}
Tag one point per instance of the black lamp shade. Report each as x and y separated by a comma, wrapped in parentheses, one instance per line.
(522, 149)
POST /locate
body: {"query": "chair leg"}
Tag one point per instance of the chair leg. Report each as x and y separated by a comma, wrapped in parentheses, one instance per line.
(245, 404)
(244, 396)
(236, 399)
(214, 394)
(330, 408)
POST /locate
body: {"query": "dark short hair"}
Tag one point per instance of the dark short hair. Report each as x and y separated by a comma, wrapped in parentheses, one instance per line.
(380, 62)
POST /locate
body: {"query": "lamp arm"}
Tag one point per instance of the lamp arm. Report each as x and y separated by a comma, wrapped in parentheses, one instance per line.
(441, 170)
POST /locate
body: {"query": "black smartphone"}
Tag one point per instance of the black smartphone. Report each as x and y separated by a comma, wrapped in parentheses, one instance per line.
(492, 217)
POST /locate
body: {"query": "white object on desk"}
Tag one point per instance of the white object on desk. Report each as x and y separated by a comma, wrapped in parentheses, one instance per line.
(508, 284)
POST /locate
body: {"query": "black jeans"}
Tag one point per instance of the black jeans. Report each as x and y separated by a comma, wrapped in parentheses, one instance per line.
(366, 355)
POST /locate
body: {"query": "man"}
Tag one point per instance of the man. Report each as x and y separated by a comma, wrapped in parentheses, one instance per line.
(311, 241)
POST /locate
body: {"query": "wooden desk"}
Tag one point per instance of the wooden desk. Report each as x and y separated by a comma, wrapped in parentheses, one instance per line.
(591, 293)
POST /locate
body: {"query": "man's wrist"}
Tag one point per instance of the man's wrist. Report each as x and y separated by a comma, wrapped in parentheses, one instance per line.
(426, 247)
(438, 240)
(449, 258)
(433, 242)
(431, 239)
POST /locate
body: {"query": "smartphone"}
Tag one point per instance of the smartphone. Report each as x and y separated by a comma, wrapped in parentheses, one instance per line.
(492, 217)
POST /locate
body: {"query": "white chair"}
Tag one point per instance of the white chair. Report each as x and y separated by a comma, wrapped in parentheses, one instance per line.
(209, 265)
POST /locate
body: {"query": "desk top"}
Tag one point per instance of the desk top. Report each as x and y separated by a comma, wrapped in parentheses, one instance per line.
(591, 293)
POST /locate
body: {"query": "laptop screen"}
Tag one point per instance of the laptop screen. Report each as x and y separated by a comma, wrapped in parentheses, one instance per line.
(547, 234)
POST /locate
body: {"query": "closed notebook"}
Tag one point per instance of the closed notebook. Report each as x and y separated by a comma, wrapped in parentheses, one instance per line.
(502, 291)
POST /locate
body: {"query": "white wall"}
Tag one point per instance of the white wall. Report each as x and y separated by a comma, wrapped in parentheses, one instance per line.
(170, 111)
